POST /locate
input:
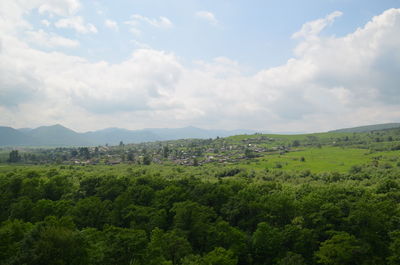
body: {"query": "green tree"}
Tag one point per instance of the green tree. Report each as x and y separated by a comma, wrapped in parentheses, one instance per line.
(267, 243)
(248, 153)
(124, 246)
(54, 241)
(146, 159)
(296, 143)
(11, 234)
(14, 157)
(84, 152)
(340, 249)
(292, 259)
(394, 258)
(195, 219)
(92, 212)
(220, 256)
(168, 246)
(229, 238)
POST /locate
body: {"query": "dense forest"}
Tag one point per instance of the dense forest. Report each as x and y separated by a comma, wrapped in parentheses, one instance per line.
(246, 211)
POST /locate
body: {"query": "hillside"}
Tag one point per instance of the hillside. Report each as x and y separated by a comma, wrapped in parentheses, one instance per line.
(369, 128)
(240, 200)
(13, 137)
(58, 135)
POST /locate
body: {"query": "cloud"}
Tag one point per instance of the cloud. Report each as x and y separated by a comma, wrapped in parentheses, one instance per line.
(45, 22)
(60, 7)
(50, 40)
(161, 22)
(313, 28)
(136, 21)
(330, 82)
(207, 16)
(76, 23)
(111, 24)
(12, 12)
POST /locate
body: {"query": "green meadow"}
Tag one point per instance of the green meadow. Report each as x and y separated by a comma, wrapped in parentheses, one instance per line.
(325, 159)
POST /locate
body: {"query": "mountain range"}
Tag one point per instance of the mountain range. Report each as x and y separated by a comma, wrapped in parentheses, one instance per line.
(58, 135)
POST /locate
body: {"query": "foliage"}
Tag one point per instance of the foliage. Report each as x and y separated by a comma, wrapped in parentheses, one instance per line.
(338, 204)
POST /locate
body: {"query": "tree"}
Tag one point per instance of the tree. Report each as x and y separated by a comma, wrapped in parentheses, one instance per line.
(296, 143)
(166, 151)
(124, 246)
(54, 241)
(146, 159)
(11, 234)
(248, 153)
(91, 212)
(14, 157)
(220, 256)
(230, 238)
(267, 243)
(168, 246)
(394, 248)
(130, 156)
(195, 219)
(341, 249)
(292, 259)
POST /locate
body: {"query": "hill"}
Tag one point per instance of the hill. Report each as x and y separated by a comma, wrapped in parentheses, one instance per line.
(13, 137)
(369, 128)
(58, 135)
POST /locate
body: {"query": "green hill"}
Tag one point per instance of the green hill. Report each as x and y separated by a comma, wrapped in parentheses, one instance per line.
(369, 128)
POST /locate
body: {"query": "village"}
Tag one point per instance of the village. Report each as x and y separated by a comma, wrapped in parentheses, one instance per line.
(189, 152)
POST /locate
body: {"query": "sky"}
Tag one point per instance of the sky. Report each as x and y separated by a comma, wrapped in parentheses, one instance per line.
(275, 66)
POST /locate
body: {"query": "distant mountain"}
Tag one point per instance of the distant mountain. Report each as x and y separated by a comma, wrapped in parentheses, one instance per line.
(58, 135)
(13, 137)
(24, 130)
(113, 136)
(369, 128)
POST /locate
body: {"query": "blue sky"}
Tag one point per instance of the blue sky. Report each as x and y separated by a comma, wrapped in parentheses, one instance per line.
(257, 34)
(213, 64)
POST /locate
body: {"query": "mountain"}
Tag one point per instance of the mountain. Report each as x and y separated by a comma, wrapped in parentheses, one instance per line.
(13, 137)
(113, 136)
(369, 128)
(58, 135)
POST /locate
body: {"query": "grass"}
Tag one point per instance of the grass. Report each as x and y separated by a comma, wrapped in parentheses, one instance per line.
(323, 159)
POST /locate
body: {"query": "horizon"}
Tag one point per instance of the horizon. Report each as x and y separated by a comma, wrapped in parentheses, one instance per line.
(190, 126)
(269, 67)
(141, 129)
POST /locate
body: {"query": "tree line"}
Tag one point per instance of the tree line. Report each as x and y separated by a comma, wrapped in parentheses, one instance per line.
(56, 215)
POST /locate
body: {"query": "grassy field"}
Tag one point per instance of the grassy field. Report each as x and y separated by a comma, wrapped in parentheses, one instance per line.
(324, 159)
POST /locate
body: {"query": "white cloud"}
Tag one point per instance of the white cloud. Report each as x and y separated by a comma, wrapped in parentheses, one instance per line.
(50, 40)
(161, 22)
(331, 82)
(208, 16)
(136, 21)
(59, 7)
(45, 22)
(313, 28)
(141, 45)
(77, 23)
(111, 24)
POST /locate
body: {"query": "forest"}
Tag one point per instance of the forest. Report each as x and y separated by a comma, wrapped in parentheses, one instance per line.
(329, 198)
